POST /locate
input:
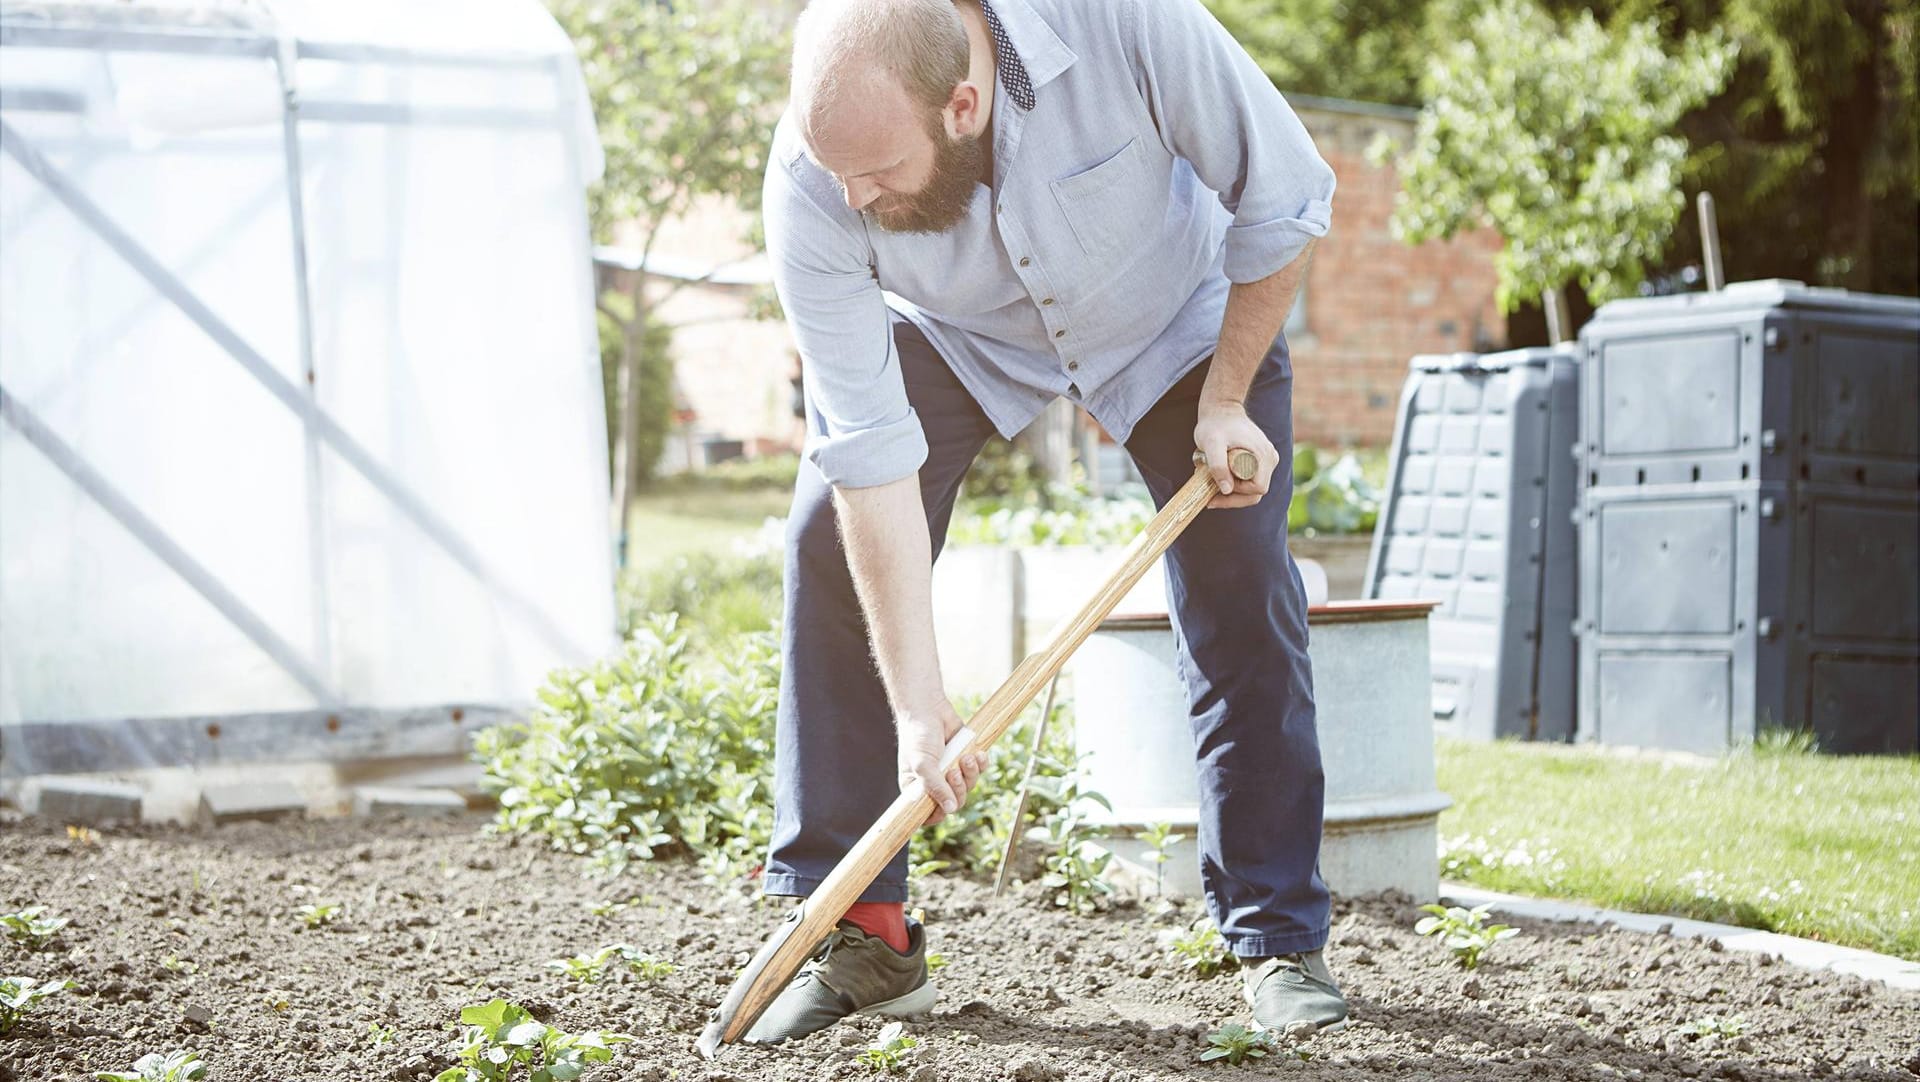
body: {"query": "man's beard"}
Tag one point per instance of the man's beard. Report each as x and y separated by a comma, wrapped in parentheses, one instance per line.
(943, 201)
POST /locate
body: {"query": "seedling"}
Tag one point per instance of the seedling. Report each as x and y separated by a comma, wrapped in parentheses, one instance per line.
(378, 1034)
(1463, 931)
(320, 915)
(1713, 1025)
(18, 995)
(173, 963)
(1159, 838)
(1198, 948)
(183, 1065)
(646, 966)
(30, 928)
(86, 836)
(936, 961)
(891, 1051)
(589, 968)
(1076, 870)
(585, 968)
(609, 908)
(1234, 1042)
(497, 1037)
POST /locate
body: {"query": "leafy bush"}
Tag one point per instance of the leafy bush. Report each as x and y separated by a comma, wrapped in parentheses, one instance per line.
(653, 750)
(1068, 517)
(716, 593)
(1003, 472)
(498, 1037)
(1336, 499)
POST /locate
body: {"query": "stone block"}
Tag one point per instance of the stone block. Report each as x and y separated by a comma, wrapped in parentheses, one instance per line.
(407, 802)
(71, 800)
(236, 803)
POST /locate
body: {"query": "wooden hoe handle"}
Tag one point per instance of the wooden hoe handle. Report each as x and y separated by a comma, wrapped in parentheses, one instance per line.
(808, 923)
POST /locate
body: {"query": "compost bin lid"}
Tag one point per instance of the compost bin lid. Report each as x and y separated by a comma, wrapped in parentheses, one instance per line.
(1765, 293)
(1506, 360)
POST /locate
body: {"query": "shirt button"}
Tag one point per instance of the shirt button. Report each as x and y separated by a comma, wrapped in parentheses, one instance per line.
(1073, 366)
(1048, 303)
(1024, 261)
(1060, 334)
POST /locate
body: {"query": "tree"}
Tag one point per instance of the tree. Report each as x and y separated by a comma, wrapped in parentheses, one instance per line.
(1364, 50)
(1810, 152)
(685, 97)
(1560, 136)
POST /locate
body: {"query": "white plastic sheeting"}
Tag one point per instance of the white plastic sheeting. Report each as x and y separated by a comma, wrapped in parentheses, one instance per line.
(301, 439)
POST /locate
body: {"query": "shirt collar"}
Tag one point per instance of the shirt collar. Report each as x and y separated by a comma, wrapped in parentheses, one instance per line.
(1039, 48)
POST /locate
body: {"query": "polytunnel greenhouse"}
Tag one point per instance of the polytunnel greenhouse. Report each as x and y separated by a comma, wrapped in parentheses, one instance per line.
(302, 451)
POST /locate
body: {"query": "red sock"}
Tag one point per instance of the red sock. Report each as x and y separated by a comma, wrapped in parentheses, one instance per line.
(885, 920)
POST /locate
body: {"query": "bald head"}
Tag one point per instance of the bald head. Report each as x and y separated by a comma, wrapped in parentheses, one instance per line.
(848, 51)
(892, 97)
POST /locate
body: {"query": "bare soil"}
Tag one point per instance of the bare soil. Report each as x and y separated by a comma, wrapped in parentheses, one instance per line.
(188, 938)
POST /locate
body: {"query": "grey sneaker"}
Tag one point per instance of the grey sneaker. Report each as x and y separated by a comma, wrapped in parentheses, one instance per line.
(1291, 989)
(852, 972)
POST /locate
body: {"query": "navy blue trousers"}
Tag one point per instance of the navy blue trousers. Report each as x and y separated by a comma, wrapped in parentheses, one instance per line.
(1240, 613)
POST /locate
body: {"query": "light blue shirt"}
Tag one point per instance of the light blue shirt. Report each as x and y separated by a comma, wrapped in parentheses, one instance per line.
(1157, 165)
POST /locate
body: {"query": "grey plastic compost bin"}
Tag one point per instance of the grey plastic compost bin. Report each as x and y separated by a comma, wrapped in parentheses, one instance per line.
(1480, 494)
(1750, 519)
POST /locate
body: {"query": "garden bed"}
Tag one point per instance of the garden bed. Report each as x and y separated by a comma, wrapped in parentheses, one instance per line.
(185, 938)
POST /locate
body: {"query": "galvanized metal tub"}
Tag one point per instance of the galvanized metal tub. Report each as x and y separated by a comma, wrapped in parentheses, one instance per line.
(1372, 691)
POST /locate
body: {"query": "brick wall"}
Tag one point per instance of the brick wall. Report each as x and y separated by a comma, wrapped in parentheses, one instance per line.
(1373, 302)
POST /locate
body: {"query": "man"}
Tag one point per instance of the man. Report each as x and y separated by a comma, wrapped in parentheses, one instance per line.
(974, 207)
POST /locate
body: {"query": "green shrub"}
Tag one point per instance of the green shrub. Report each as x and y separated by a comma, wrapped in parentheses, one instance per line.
(1336, 499)
(715, 594)
(1003, 473)
(653, 750)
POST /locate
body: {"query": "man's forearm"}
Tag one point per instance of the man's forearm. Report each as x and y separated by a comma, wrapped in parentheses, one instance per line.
(884, 530)
(1255, 313)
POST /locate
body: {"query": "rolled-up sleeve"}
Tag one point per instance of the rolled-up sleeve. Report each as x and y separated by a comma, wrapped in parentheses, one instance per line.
(862, 432)
(1216, 109)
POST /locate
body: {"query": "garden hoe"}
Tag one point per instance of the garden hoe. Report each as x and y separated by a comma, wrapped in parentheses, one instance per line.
(809, 923)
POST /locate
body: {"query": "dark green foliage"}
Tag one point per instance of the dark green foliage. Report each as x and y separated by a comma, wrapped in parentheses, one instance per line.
(655, 345)
(654, 750)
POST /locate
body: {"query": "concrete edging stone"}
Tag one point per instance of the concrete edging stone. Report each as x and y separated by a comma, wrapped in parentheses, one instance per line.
(1805, 953)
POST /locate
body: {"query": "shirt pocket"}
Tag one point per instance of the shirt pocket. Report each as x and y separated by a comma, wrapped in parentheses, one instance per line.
(1112, 203)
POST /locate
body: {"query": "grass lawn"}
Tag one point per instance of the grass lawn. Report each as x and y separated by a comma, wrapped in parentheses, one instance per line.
(1825, 847)
(679, 520)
